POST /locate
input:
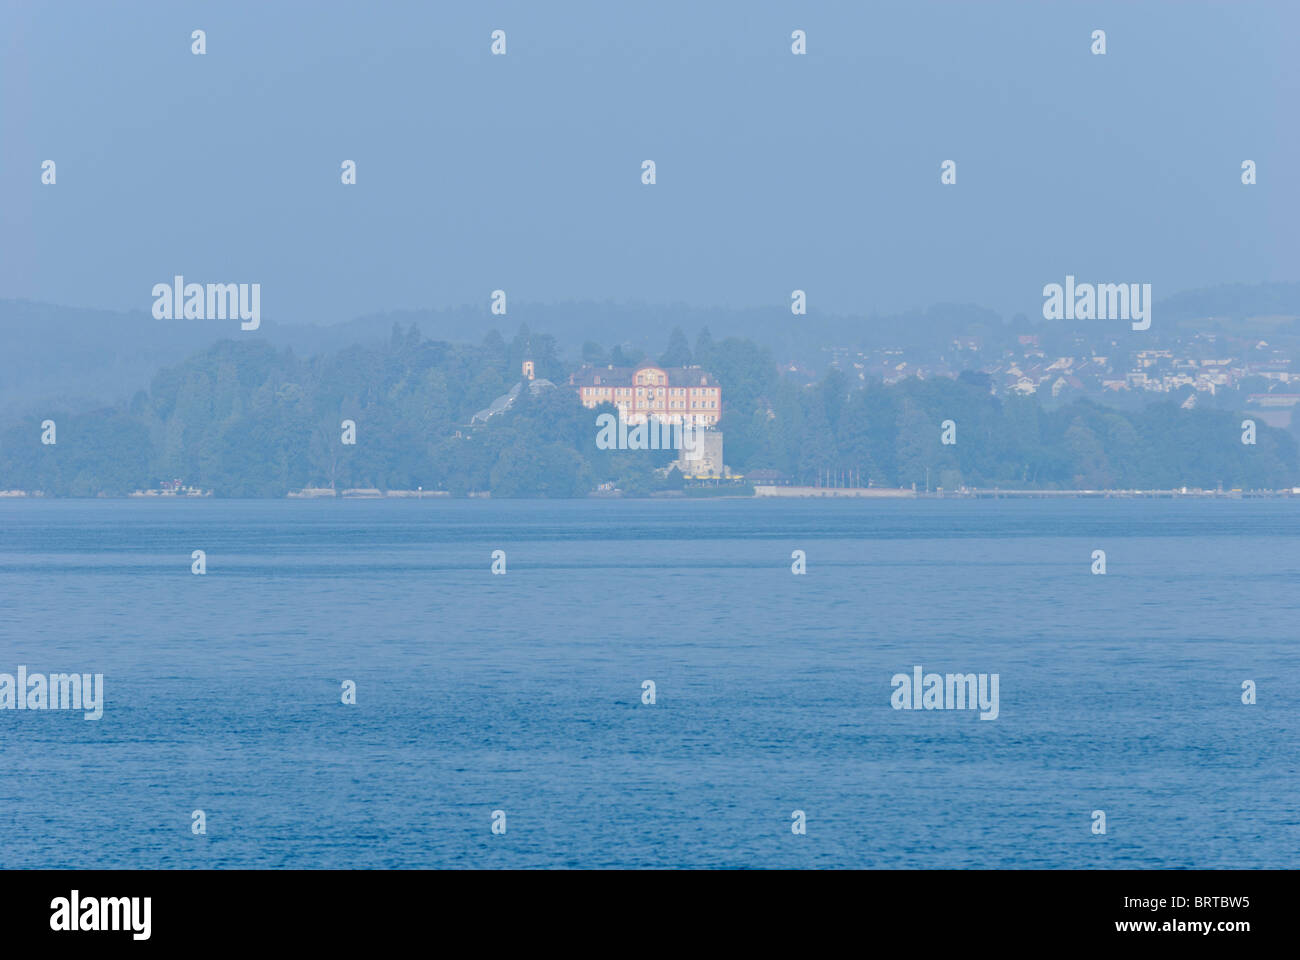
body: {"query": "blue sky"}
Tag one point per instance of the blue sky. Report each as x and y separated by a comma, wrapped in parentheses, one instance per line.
(522, 172)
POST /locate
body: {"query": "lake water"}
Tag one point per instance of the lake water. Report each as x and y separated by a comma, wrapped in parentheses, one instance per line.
(522, 692)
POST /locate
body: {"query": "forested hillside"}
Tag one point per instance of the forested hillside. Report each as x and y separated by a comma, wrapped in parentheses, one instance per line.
(245, 420)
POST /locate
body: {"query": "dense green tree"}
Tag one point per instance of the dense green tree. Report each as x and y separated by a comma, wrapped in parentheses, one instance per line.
(678, 353)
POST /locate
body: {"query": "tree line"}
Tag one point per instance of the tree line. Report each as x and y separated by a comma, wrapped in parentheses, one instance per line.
(246, 420)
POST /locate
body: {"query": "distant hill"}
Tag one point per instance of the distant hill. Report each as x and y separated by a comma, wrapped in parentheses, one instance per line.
(246, 419)
(1232, 303)
(80, 358)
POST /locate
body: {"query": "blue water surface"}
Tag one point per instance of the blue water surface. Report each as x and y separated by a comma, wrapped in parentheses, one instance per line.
(522, 692)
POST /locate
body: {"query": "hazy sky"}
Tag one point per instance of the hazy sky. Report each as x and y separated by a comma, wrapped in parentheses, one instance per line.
(524, 172)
